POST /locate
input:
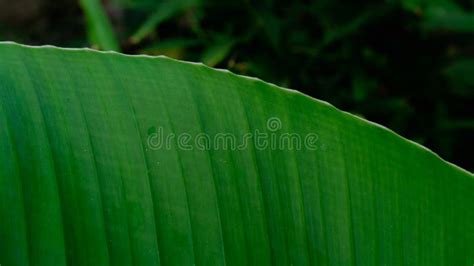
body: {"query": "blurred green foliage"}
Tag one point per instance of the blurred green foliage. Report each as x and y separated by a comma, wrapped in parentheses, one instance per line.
(408, 64)
(99, 29)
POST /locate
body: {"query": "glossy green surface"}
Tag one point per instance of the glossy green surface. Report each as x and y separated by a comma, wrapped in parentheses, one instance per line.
(81, 184)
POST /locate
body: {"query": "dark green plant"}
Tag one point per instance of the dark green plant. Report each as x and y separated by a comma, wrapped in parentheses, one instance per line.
(85, 178)
(404, 63)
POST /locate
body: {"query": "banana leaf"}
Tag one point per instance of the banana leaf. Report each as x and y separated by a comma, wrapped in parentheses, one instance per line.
(109, 159)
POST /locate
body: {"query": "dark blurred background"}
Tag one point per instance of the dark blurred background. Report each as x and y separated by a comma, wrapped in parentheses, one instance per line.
(407, 64)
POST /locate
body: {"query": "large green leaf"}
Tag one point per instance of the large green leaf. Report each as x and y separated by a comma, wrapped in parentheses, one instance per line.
(83, 180)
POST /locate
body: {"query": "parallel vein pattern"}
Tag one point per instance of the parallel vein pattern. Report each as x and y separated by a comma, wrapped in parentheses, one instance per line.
(81, 184)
